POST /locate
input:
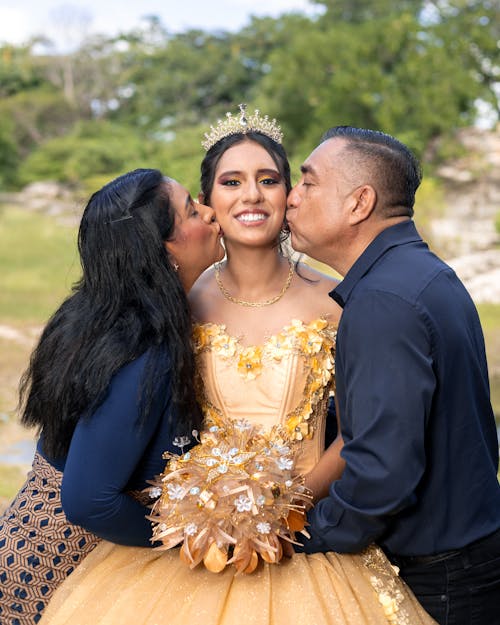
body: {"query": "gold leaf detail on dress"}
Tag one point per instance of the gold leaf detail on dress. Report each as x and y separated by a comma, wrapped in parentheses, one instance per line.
(386, 584)
(313, 341)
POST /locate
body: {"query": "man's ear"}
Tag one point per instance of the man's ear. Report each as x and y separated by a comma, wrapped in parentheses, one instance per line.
(362, 202)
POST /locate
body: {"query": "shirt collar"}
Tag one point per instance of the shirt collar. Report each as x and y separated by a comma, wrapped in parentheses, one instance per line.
(399, 234)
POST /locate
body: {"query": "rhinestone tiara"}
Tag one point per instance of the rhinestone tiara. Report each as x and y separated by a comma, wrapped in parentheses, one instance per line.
(242, 124)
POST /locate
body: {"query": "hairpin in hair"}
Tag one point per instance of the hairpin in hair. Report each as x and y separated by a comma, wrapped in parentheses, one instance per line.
(114, 221)
(242, 124)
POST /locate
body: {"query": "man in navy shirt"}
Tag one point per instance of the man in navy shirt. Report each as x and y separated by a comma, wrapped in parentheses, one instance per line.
(420, 442)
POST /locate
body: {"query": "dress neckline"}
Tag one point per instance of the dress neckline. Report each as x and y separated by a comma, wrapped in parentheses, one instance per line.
(293, 323)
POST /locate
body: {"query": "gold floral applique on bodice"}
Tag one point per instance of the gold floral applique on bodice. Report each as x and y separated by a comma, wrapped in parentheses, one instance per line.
(286, 380)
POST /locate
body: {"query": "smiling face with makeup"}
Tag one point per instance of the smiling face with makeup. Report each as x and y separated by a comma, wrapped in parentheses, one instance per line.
(248, 195)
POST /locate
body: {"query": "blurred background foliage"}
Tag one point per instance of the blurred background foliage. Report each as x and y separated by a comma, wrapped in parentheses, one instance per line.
(413, 68)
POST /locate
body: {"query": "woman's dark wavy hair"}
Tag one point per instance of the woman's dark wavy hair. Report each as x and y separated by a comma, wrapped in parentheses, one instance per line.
(275, 150)
(128, 300)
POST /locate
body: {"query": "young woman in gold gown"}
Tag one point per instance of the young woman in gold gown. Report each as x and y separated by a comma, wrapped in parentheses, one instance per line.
(264, 340)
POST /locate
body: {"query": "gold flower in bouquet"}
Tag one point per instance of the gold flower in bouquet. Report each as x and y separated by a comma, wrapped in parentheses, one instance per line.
(232, 498)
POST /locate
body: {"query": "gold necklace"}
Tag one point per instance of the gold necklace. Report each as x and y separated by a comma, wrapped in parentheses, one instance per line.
(242, 302)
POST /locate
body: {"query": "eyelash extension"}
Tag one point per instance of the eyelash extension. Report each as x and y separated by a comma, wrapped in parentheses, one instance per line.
(232, 182)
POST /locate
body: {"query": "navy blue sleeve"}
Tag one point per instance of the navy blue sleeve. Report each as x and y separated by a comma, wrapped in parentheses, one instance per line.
(105, 452)
(331, 429)
(385, 392)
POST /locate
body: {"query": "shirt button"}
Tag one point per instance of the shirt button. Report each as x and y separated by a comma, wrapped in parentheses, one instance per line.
(444, 598)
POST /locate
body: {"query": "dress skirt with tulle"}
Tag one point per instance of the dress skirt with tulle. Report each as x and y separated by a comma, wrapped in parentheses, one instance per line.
(118, 585)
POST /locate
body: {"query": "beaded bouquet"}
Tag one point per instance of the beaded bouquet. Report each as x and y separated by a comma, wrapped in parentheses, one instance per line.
(231, 499)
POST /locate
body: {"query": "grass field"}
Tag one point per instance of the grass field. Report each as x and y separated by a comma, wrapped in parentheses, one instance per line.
(38, 265)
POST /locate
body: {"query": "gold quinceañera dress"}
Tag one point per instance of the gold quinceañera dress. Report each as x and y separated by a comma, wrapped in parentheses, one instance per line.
(286, 380)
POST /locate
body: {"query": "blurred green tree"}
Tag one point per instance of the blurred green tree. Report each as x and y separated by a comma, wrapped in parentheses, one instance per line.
(396, 66)
(90, 148)
(418, 69)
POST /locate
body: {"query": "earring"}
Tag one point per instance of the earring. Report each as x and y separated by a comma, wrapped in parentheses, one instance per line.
(175, 266)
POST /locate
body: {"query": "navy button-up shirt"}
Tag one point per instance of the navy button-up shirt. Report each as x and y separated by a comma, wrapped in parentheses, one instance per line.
(421, 446)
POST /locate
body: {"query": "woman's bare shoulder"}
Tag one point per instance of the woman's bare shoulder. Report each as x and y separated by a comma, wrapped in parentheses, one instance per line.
(203, 292)
(314, 289)
(315, 275)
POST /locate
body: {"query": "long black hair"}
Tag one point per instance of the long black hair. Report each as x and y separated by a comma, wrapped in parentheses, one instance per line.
(129, 299)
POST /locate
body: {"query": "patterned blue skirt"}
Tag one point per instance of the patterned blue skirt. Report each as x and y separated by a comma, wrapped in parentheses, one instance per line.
(39, 548)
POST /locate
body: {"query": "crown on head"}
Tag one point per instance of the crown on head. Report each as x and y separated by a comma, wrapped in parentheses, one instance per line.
(242, 124)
